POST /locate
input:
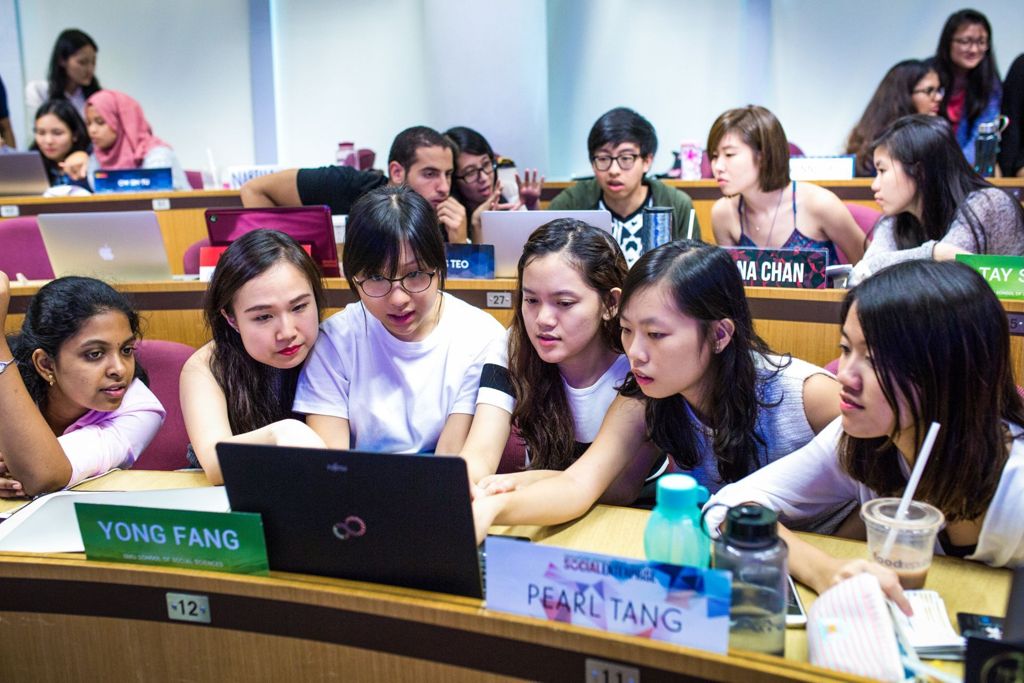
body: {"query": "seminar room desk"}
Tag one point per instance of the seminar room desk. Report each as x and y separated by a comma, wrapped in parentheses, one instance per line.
(63, 618)
(804, 323)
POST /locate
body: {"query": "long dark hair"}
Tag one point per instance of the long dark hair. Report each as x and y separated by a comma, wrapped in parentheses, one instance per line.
(706, 286)
(981, 80)
(68, 43)
(892, 99)
(248, 384)
(66, 112)
(542, 410)
(380, 222)
(55, 314)
(925, 147)
(939, 341)
(469, 142)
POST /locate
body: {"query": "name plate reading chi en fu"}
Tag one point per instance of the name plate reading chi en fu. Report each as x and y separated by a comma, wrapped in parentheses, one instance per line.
(215, 541)
(800, 268)
(470, 261)
(682, 605)
(1005, 274)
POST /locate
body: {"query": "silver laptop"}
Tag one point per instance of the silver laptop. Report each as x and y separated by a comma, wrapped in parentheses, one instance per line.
(116, 246)
(22, 174)
(509, 230)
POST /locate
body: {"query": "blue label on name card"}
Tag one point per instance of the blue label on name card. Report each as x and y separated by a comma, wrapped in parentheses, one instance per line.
(682, 605)
(133, 180)
(470, 261)
(801, 268)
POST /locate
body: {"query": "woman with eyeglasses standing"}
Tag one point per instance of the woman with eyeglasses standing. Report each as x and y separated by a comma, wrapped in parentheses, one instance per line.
(910, 87)
(968, 71)
(398, 371)
(476, 185)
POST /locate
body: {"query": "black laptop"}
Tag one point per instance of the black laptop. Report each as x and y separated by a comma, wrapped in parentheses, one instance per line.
(403, 520)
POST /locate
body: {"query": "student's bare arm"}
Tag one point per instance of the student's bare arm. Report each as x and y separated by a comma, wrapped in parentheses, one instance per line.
(486, 441)
(821, 401)
(453, 435)
(333, 430)
(275, 189)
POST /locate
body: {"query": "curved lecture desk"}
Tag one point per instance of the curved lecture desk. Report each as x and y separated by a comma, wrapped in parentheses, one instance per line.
(63, 618)
(804, 323)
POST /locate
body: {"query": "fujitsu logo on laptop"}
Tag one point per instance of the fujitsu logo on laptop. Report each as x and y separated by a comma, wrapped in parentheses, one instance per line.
(352, 527)
(336, 467)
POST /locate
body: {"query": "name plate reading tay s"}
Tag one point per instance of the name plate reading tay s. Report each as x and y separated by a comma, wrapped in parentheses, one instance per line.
(215, 541)
(682, 605)
(1004, 274)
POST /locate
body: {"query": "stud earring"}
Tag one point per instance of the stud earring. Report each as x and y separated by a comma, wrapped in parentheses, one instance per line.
(51, 380)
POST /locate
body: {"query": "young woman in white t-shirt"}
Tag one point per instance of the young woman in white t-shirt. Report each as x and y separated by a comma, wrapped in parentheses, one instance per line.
(922, 342)
(562, 364)
(399, 370)
(706, 386)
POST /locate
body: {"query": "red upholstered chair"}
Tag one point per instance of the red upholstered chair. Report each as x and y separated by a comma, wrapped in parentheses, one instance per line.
(866, 218)
(833, 366)
(365, 158)
(163, 361)
(190, 260)
(195, 179)
(22, 249)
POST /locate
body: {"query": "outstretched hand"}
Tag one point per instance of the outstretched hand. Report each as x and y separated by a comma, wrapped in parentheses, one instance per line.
(530, 188)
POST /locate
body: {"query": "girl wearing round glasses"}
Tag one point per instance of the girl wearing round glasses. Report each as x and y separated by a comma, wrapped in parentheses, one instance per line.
(476, 183)
(910, 87)
(399, 370)
(762, 207)
(967, 67)
(934, 204)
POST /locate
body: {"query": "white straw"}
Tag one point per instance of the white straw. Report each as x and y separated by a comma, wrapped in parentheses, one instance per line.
(689, 228)
(915, 478)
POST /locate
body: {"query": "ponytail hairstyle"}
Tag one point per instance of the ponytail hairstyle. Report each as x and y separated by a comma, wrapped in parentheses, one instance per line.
(257, 394)
(542, 410)
(940, 347)
(703, 282)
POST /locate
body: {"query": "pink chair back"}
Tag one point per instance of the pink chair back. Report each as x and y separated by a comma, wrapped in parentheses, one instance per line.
(365, 158)
(22, 249)
(190, 260)
(163, 361)
(866, 217)
(195, 179)
(513, 459)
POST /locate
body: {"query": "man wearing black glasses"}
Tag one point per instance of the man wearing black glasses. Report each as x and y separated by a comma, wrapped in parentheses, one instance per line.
(622, 145)
(420, 157)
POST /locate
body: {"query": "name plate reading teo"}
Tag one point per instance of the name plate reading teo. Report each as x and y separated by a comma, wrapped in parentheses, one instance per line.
(215, 541)
(800, 268)
(1004, 274)
(682, 605)
(470, 261)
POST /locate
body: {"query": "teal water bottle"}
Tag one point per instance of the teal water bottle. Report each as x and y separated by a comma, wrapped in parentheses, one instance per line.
(673, 534)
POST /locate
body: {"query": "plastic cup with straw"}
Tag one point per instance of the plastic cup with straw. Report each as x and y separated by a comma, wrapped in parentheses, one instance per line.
(915, 479)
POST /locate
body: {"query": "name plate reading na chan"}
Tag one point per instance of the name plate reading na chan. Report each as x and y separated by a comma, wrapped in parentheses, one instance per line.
(800, 268)
(215, 541)
(682, 605)
(1004, 274)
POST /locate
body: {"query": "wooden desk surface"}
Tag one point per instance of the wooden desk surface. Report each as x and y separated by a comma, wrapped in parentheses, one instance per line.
(965, 586)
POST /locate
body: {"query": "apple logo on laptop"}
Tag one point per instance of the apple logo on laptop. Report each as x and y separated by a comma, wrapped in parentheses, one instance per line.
(106, 253)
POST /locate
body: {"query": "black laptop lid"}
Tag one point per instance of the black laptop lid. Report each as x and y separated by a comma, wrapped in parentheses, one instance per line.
(403, 520)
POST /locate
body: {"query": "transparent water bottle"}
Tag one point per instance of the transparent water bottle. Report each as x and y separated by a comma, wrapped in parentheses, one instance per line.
(751, 549)
(346, 154)
(673, 534)
(986, 146)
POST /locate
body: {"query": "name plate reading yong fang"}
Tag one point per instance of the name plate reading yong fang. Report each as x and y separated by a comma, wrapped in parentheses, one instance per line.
(470, 261)
(215, 541)
(800, 268)
(682, 605)
(1004, 274)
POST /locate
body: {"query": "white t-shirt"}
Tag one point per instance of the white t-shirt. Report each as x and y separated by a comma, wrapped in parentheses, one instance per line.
(396, 395)
(811, 480)
(588, 404)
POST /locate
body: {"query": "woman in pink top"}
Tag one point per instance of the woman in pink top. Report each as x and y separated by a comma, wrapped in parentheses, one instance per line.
(71, 398)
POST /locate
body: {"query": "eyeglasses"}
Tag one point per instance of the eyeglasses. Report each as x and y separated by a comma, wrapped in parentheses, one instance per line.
(980, 43)
(603, 162)
(930, 91)
(471, 175)
(377, 286)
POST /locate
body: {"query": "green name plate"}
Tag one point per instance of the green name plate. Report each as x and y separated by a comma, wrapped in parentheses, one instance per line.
(216, 541)
(1005, 274)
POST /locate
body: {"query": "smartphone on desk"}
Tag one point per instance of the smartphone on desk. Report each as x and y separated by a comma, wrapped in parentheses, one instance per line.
(795, 614)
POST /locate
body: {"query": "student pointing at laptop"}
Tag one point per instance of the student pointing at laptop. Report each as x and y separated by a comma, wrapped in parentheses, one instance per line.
(420, 157)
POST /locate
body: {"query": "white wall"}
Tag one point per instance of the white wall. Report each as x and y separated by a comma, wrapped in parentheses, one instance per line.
(10, 69)
(186, 62)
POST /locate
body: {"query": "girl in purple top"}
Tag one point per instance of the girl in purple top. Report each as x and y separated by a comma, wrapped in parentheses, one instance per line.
(70, 391)
(762, 207)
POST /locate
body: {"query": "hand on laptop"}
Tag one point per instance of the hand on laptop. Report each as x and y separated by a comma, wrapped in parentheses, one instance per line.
(452, 216)
(9, 487)
(76, 165)
(530, 188)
